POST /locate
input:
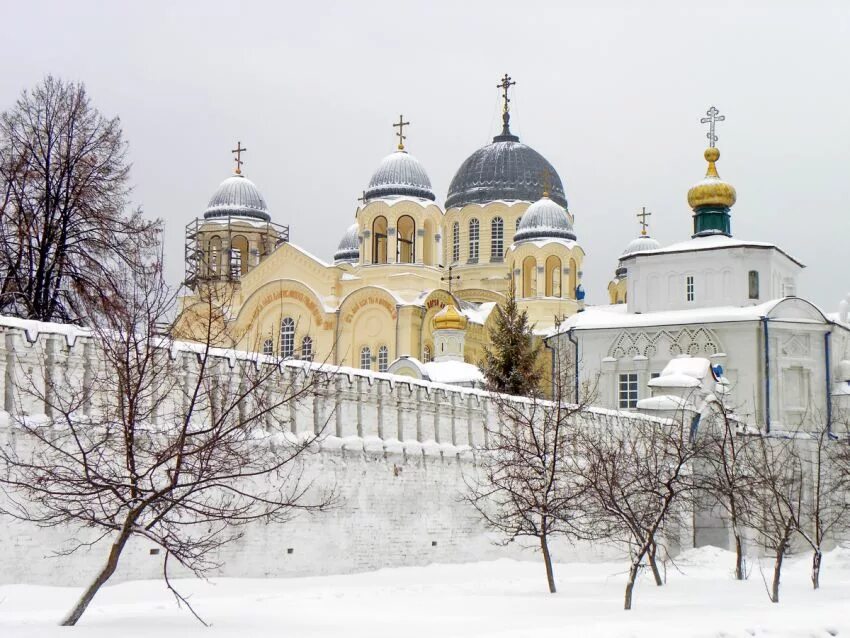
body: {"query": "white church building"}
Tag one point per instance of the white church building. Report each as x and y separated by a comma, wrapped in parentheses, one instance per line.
(730, 306)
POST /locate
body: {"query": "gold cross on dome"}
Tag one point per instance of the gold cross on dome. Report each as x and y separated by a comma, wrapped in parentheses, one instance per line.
(713, 117)
(505, 84)
(643, 223)
(401, 136)
(450, 278)
(238, 152)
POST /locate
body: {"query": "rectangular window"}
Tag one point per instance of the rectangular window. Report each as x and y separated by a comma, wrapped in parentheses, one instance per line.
(628, 391)
(689, 287)
(654, 375)
(754, 284)
(455, 242)
(473, 241)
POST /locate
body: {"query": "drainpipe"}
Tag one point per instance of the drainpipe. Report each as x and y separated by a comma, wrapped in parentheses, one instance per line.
(826, 342)
(766, 333)
(575, 362)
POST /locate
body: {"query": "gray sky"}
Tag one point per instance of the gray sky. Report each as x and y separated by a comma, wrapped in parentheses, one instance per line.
(611, 93)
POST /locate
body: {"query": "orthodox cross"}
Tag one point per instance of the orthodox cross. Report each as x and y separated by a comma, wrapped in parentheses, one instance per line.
(401, 136)
(713, 117)
(238, 151)
(362, 198)
(505, 84)
(643, 223)
(450, 278)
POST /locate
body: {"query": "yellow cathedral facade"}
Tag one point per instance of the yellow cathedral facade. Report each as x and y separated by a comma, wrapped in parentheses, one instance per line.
(411, 280)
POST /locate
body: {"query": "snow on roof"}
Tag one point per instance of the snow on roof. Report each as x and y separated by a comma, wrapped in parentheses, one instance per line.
(617, 316)
(694, 367)
(665, 402)
(33, 328)
(674, 380)
(709, 242)
(540, 243)
(453, 372)
(478, 313)
(310, 255)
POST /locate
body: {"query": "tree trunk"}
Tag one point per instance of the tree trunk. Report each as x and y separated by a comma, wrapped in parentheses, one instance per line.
(777, 568)
(816, 561)
(104, 575)
(630, 585)
(739, 557)
(547, 559)
(653, 548)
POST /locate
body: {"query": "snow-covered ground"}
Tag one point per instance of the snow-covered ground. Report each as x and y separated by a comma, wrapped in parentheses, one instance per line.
(493, 600)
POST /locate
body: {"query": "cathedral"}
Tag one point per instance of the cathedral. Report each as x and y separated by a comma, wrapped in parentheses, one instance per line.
(413, 285)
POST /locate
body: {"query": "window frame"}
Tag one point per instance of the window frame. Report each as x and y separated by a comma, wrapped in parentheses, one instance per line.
(367, 352)
(690, 288)
(287, 338)
(474, 240)
(497, 239)
(455, 242)
(627, 390)
(383, 358)
(307, 348)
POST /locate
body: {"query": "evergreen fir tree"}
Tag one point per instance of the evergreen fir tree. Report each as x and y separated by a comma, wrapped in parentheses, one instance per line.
(510, 363)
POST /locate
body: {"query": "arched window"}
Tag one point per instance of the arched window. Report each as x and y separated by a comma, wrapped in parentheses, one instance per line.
(553, 276)
(754, 284)
(529, 277)
(307, 348)
(474, 230)
(215, 254)
(427, 357)
(379, 240)
(573, 279)
(497, 239)
(455, 242)
(365, 358)
(238, 256)
(268, 347)
(383, 359)
(405, 240)
(287, 337)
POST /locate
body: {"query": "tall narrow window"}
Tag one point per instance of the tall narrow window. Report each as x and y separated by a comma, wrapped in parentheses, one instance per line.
(474, 230)
(689, 287)
(406, 240)
(307, 348)
(365, 358)
(529, 277)
(379, 240)
(427, 357)
(497, 239)
(287, 337)
(268, 347)
(628, 391)
(455, 242)
(215, 254)
(754, 284)
(553, 276)
(238, 256)
(383, 359)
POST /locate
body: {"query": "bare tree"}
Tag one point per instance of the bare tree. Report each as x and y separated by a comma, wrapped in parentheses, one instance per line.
(777, 470)
(523, 486)
(638, 480)
(176, 443)
(724, 474)
(64, 232)
(827, 510)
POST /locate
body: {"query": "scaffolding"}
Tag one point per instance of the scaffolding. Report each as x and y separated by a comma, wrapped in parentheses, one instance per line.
(227, 264)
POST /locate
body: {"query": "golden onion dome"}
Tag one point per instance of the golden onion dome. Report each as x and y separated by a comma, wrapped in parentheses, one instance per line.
(449, 318)
(711, 191)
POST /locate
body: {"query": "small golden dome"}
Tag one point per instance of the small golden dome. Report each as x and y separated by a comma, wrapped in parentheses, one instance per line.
(449, 318)
(712, 191)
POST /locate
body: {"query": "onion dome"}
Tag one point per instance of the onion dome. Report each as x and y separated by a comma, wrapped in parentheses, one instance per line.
(504, 170)
(449, 318)
(399, 174)
(544, 219)
(711, 199)
(644, 242)
(237, 196)
(348, 251)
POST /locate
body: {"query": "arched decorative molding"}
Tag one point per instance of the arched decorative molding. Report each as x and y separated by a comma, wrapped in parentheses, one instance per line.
(696, 342)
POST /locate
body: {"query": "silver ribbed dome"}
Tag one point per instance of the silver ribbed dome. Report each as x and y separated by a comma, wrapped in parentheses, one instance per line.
(348, 251)
(644, 242)
(400, 174)
(237, 196)
(544, 219)
(504, 170)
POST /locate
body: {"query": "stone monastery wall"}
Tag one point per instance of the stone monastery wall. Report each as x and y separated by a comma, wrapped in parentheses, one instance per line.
(397, 450)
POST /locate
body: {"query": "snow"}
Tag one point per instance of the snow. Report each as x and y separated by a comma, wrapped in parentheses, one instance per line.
(674, 380)
(497, 599)
(665, 402)
(694, 367)
(453, 372)
(709, 242)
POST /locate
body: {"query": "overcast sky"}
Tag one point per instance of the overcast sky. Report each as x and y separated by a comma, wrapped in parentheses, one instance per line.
(611, 93)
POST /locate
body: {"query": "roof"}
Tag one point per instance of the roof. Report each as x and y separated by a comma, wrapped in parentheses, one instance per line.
(237, 196)
(709, 242)
(400, 174)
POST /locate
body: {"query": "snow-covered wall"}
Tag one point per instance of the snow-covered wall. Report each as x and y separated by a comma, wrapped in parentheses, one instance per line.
(397, 450)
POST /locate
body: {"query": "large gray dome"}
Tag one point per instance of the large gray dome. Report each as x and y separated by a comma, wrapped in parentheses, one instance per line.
(643, 242)
(400, 174)
(544, 219)
(237, 196)
(504, 170)
(348, 250)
